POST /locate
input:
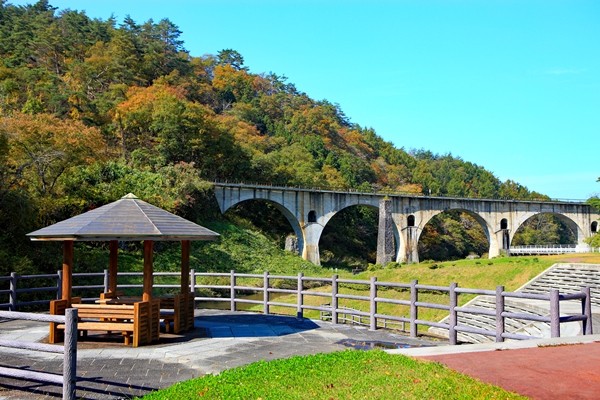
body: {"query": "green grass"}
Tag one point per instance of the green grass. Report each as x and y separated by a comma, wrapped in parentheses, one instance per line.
(350, 374)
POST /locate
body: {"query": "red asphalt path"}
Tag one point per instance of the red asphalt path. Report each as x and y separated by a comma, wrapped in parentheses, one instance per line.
(553, 372)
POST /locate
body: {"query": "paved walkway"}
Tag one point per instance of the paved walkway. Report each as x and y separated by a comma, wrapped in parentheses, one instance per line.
(221, 340)
(565, 368)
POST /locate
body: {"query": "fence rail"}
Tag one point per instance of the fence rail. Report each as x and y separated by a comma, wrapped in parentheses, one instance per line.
(68, 379)
(235, 293)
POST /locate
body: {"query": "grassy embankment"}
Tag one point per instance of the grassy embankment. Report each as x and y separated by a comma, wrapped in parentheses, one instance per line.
(512, 272)
(344, 375)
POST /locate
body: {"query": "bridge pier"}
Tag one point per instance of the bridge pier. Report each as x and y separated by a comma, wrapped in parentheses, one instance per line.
(310, 249)
(497, 242)
(409, 251)
(385, 234)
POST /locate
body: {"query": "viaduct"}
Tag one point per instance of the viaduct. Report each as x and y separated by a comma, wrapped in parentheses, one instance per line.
(403, 217)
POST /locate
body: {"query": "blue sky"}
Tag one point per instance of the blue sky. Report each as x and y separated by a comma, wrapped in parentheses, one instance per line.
(513, 86)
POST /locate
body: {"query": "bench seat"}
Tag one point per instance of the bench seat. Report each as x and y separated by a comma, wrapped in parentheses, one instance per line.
(132, 320)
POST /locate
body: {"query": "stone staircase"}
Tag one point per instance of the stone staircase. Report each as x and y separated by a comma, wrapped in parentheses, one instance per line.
(568, 278)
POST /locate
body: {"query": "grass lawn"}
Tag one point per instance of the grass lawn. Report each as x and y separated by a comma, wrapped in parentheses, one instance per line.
(350, 374)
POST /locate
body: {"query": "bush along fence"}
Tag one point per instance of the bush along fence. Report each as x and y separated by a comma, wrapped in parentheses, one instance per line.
(234, 289)
(68, 379)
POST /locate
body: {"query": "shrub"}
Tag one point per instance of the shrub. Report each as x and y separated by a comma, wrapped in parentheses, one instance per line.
(393, 265)
(374, 267)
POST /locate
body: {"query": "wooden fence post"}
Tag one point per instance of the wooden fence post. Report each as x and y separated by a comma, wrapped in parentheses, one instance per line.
(13, 291)
(499, 310)
(373, 305)
(70, 354)
(105, 281)
(334, 299)
(414, 311)
(554, 313)
(266, 292)
(193, 285)
(299, 311)
(59, 285)
(232, 292)
(453, 320)
(586, 309)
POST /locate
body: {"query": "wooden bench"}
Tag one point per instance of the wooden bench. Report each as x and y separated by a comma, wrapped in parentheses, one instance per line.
(132, 320)
(175, 310)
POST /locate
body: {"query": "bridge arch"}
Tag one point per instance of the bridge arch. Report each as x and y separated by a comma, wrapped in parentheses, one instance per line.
(331, 219)
(487, 226)
(577, 230)
(289, 216)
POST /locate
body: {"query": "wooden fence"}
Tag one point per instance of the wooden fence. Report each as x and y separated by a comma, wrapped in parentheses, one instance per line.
(262, 283)
(68, 379)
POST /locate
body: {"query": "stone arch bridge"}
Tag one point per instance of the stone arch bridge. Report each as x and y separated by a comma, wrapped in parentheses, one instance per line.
(403, 217)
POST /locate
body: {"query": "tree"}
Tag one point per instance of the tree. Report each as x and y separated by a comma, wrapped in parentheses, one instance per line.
(232, 58)
(43, 147)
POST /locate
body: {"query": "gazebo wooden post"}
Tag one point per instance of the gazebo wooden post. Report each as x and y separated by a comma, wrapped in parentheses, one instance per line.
(188, 313)
(185, 267)
(153, 323)
(112, 273)
(67, 282)
(148, 270)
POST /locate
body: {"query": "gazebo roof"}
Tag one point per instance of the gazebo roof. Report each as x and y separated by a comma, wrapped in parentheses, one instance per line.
(126, 219)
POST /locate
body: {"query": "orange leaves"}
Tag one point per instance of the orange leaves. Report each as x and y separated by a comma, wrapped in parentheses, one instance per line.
(355, 140)
(245, 134)
(140, 98)
(43, 147)
(239, 82)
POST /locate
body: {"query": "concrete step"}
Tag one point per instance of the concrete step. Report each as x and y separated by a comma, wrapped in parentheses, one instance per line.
(563, 277)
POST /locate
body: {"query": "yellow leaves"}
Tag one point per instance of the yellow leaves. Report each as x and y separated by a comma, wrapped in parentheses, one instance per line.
(410, 188)
(238, 82)
(138, 97)
(47, 146)
(245, 134)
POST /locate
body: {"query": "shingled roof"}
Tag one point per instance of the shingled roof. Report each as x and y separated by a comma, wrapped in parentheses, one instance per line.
(126, 219)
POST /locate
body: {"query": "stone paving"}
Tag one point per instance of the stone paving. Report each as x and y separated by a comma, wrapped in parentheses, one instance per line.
(220, 340)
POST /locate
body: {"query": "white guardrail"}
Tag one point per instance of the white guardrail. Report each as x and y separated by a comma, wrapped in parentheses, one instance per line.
(552, 249)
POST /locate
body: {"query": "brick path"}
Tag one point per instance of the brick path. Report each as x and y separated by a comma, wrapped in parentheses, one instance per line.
(556, 372)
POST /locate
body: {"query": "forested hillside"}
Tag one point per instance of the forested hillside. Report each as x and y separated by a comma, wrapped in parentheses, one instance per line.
(93, 109)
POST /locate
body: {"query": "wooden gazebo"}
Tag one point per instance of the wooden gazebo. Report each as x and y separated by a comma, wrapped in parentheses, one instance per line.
(127, 219)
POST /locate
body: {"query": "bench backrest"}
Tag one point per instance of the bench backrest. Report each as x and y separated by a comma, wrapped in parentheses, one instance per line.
(109, 295)
(105, 311)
